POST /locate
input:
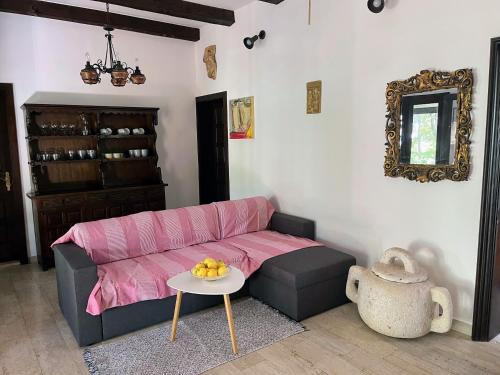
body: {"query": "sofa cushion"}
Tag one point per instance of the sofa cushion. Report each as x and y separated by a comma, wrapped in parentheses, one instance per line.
(183, 227)
(243, 216)
(145, 278)
(262, 245)
(306, 267)
(114, 239)
(110, 240)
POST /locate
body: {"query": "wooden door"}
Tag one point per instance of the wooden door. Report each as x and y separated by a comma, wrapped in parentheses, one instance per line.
(12, 233)
(213, 167)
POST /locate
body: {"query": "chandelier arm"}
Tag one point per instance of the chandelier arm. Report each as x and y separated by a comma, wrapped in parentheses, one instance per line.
(98, 66)
(106, 55)
(113, 52)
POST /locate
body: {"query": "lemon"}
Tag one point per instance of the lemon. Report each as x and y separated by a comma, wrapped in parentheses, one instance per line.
(200, 265)
(209, 260)
(211, 264)
(194, 271)
(221, 263)
(212, 273)
(202, 272)
(222, 271)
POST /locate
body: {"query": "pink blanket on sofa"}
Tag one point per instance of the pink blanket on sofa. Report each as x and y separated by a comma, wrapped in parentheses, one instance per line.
(144, 278)
(145, 233)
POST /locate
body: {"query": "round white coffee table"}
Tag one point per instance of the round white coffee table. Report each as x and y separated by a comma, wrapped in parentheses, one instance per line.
(186, 283)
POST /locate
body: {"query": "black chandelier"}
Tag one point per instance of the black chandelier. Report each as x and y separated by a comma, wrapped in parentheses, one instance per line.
(119, 71)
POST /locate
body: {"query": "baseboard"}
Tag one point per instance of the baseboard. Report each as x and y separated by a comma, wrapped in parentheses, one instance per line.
(462, 327)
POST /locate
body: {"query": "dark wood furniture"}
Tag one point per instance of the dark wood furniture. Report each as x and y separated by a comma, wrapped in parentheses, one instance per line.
(70, 190)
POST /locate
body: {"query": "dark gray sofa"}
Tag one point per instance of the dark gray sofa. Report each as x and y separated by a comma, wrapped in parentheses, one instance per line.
(316, 286)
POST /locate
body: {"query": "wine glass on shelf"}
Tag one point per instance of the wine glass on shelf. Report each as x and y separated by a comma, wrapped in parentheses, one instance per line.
(44, 128)
(53, 128)
(63, 129)
(85, 124)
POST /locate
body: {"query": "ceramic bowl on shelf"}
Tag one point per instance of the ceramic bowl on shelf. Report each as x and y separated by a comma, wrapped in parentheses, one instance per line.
(124, 131)
(108, 156)
(138, 131)
(117, 155)
(144, 152)
(106, 131)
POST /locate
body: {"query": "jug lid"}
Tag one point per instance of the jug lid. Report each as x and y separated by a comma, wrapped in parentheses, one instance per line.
(407, 273)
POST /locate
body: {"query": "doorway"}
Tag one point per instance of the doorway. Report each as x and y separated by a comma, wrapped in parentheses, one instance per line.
(486, 323)
(12, 230)
(213, 164)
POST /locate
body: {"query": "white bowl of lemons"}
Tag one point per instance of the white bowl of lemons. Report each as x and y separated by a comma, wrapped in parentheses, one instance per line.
(210, 270)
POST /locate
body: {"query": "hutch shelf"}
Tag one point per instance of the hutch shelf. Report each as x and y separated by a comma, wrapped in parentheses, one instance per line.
(89, 163)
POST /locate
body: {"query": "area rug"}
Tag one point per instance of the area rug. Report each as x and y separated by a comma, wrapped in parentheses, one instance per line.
(202, 343)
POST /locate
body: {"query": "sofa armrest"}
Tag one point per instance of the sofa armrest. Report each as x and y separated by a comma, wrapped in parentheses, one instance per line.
(294, 225)
(76, 276)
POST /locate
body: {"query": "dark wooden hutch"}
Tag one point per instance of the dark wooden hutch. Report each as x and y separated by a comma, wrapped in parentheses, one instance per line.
(111, 180)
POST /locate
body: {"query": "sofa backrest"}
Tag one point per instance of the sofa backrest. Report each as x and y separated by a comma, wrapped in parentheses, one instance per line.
(183, 227)
(243, 216)
(131, 236)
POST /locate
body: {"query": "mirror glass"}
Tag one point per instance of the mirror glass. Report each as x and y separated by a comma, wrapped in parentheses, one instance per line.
(428, 127)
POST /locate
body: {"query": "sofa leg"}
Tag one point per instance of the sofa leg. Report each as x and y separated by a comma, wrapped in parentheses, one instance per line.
(176, 315)
(230, 321)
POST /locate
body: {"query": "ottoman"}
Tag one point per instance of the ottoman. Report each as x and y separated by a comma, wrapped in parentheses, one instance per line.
(304, 282)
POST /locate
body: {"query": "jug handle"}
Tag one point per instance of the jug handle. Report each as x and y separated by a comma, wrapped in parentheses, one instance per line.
(441, 296)
(409, 263)
(351, 289)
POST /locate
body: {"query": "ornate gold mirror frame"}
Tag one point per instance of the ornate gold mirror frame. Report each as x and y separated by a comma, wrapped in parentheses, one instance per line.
(427, 80)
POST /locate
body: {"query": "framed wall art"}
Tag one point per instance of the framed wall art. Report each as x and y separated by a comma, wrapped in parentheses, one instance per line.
(314, 97)
(242, 118)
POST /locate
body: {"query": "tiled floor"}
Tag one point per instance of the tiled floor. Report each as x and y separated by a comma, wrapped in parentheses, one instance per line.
(35, 339)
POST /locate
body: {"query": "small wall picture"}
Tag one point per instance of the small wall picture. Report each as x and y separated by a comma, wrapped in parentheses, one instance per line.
(242, 118)
(314, 97)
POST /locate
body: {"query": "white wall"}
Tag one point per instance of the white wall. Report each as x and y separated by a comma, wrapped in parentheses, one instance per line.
(329, 167)
(43, 58)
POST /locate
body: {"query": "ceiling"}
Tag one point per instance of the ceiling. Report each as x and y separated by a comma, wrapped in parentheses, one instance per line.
(179, 19)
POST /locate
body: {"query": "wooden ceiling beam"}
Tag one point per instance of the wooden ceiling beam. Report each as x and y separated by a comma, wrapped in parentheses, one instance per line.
(181, 9)
(97, 18)
(275, 2)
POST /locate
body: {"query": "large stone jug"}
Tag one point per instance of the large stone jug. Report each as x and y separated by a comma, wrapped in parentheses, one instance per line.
(399, 301)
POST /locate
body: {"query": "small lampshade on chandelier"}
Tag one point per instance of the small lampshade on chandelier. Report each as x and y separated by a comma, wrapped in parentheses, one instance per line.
(120, 72)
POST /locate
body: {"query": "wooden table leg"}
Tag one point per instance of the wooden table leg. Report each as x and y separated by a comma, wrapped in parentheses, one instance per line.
(229, 313)
(176, 314)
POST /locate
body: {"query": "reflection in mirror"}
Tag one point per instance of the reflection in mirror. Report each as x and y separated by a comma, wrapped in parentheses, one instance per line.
(428, 127)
